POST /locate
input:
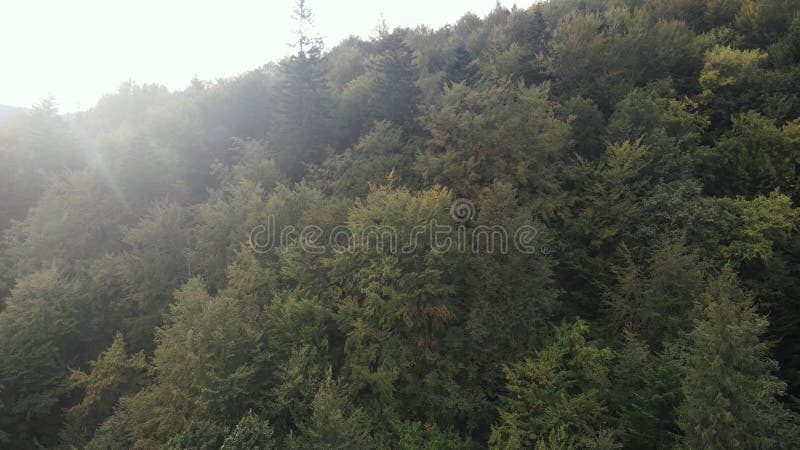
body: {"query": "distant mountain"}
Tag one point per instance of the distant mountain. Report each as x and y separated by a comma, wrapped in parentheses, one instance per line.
(7, 112)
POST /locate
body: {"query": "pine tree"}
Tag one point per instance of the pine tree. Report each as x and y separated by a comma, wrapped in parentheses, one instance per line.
(646, 393)
(731, 392)
(199, 435)
(303, 134)
(113, 374)
(396, 94)
(43, 331)
(251, 433)
(335, 423)
(462, 66)
(556, 399)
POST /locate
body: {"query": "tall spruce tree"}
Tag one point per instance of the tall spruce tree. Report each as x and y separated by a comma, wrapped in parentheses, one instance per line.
(303, 134)
(731, 392)
(556, 399)
(396, 94)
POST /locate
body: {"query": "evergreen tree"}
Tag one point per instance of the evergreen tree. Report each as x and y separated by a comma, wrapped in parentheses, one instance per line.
(43, 332)
(334, 424)
(114, 374)
(251, 433)
(557, 398)
(303, 134)
(647, 393)
(731, 392)
(395, 95)
(644, 143)
(198, 435)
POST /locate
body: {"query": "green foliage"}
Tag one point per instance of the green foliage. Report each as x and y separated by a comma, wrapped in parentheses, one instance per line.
(556, 399)
(603, 56)
(647, 393)
(334, 423)
(618, 204)
(396, 309)
(395, 94)
(381, 153)
(114, 374)
(587, 127)
(249, 160)
(34, 148)
(223, 223)
(419, 436)
(655, 301)
(753, 157)
(207, 365)
(251, 433)
(136, 285)
(643, 145)
(730, 389)
(304, 105)
(217, 335)
(298, 335)
(735, 81)
(199, 436)
(42, 332)
(501, 131)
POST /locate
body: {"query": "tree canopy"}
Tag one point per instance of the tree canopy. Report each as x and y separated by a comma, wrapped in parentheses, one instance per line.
(258, 262)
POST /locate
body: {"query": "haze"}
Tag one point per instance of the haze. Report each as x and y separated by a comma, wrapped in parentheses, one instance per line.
(79, 50)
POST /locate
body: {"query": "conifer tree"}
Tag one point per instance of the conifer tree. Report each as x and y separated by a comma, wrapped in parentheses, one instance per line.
(395, 94)
(251, 433)
(557, 398)
(43, 332)
(731, 392)
(113, 374)
(335, 424)
(303, 134)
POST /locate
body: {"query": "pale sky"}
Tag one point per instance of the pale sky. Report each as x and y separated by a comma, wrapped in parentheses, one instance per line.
(79, 50)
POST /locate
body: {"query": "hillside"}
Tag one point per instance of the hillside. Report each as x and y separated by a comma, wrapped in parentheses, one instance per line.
(571, 225)
(7, 112)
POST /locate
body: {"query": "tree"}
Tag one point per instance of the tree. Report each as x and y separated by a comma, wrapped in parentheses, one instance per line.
(198, 435)
(210, 366)
(251, 433)
(397, 308)
(618, 206)
(224, 222)
(133, 288)
(34, 149)
(395, 94)
(646, 392)
(304, 133)
(43, 331)
(753, 158)
(731, 392)
(587, 127)
(556, 399)
(422, 436)
(602, 56)
(509, 298)
(732, 82)
(380, 152)
(655, 301)
(301, 343)
(114, 374)
(500, 131)
(335, 424)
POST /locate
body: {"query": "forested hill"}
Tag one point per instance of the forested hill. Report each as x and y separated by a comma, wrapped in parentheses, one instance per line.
(7, 112)
(640, 156)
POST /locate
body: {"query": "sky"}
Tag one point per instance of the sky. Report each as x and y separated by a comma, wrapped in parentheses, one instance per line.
(78, 50)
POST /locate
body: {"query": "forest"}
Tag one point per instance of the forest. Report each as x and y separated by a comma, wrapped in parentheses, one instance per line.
(649, 147)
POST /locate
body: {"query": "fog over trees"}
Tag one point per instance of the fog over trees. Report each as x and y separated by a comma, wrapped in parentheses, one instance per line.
(638, 158)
